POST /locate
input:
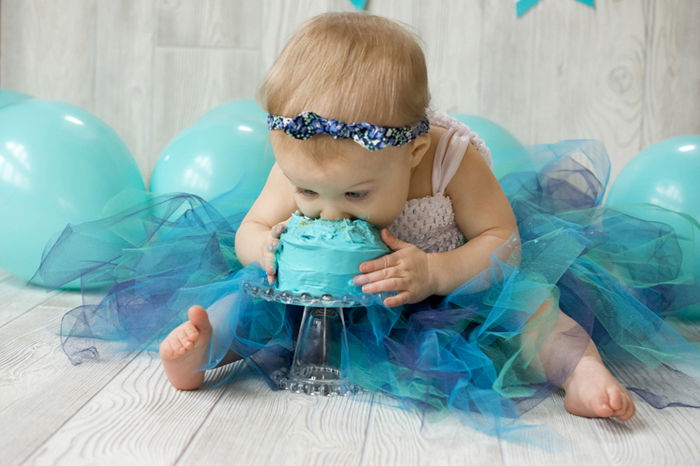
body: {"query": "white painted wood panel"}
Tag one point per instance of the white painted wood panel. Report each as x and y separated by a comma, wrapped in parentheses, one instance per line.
(209, 23)
(123, 411)
(626, 72)
(48, 49)
(18, 298)
(39, 388)
(137, 418)
(188, 82)
(671, 99)
(255, 426)
(124, 84)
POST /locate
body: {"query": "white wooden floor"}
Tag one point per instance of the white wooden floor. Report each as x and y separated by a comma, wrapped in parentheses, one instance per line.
(125, 412)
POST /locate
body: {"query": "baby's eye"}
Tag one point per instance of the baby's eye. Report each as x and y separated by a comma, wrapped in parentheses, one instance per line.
(356, 194)
(306, 192)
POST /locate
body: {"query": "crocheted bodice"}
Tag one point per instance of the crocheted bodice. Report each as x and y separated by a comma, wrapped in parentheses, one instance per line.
(429, 222)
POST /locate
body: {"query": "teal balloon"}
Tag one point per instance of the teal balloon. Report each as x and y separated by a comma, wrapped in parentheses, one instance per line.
(243, 108)
(59, 164)
(507, 153)
(667, 175)
(10, 97)
(215, 156)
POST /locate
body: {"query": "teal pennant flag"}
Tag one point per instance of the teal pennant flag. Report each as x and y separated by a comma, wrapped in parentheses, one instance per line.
(522, 6)
(359, 4)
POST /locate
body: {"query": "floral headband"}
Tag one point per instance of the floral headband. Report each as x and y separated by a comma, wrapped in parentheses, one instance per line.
(369, 136)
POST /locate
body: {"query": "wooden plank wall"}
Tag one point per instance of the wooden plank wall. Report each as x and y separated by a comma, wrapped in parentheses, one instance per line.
(627, 72)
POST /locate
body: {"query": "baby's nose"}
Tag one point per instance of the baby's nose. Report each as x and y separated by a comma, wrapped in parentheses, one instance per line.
(333, 214)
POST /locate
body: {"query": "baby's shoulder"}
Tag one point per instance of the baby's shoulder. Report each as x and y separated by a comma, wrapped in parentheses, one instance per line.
(421, 178)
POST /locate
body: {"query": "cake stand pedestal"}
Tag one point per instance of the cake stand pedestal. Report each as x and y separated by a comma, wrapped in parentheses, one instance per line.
(322, 342)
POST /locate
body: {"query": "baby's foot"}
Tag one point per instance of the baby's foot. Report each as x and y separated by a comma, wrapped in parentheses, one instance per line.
(184, 349)
(592, 391)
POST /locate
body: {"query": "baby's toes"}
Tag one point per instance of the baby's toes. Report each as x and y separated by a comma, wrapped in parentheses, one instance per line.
(176, 346)
(630, 409)
(188, 335)
(184, 340)
(600, 405)
(615, 399)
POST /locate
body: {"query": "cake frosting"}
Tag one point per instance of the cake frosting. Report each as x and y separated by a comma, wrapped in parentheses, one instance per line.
(318, 256)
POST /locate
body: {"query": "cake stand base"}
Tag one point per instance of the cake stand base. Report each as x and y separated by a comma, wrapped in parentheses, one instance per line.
(322, 342)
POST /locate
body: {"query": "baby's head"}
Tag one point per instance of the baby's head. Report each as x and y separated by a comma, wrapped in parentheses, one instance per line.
(349, 67)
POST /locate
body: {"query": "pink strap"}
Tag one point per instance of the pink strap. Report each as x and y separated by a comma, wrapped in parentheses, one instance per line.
(448, 156)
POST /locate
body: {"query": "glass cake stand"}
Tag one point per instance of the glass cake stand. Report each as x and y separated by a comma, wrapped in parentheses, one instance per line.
(316, 367)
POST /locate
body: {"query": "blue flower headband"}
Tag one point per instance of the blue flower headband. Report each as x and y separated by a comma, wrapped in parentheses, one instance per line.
(369, 136)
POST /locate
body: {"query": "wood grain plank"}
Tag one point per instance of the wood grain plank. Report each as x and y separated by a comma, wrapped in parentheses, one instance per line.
(670, 434)
(507, 72)
(264, 427)
(667, 436)
(188, 82)
(302, 423)
(1, 47)
(578, 444)
(281, 19)
(123, 73)
(16, 297)
(672, 72)
(49, 49)
(588, 75)
(34, 373)
(451, 37)
(396, 436)
(138, 418)
(210, 23)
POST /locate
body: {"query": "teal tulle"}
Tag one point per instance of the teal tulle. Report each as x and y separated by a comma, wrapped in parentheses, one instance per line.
(486, 354)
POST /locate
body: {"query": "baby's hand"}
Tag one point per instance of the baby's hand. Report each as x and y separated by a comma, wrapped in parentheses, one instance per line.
(406, 270)
(268, 261)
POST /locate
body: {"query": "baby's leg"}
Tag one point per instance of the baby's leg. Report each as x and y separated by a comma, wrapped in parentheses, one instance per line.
(184, 350)
(591, 390)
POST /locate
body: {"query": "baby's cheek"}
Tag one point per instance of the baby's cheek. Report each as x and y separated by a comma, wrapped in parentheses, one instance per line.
(306, 208)
(385, 213)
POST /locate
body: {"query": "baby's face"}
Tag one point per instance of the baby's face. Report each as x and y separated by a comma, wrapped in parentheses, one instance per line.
(372, 185)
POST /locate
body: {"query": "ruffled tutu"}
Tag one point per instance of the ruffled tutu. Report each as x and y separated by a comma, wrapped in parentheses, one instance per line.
(486, 353)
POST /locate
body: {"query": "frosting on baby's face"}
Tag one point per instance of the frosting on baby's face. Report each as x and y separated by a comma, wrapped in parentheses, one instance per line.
(371, 185)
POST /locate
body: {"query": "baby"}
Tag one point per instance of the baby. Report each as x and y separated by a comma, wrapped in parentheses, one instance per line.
(404, 169)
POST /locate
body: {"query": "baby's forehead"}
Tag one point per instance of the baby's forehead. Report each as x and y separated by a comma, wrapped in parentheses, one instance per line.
(347, 165)
(343, 169)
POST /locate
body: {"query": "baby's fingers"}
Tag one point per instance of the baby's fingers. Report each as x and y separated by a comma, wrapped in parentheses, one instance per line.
(390, 284)
(278, 229)
(269, 264)
(272, 245)
(271, 270)
(397, 300)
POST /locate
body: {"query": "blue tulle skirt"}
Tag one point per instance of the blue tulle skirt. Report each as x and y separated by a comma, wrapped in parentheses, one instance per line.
(487, 353)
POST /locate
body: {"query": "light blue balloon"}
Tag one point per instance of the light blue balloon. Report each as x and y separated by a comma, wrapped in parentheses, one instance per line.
(214, 156)
(507, 153)
(59, 164)
(242, 108)
(10, 97)
(665, 174)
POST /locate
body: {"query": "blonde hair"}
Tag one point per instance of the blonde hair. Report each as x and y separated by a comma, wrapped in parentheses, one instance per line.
(349, 67)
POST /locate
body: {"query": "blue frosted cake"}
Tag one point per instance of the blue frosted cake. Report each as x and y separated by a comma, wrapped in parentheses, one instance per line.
(318, 256)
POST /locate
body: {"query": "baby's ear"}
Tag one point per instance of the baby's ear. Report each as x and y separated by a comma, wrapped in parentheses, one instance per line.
(420, 147)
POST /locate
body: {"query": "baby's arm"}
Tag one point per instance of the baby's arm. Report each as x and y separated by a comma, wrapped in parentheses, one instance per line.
(482, 213)
(262, 225)
(486, 218)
